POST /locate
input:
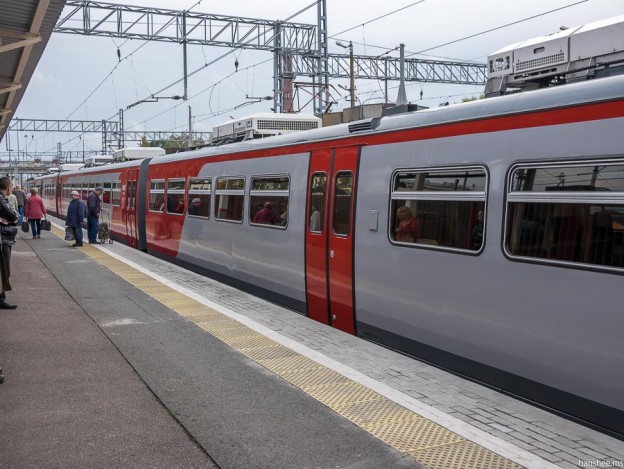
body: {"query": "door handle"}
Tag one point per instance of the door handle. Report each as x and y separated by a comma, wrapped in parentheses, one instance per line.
(331, 253)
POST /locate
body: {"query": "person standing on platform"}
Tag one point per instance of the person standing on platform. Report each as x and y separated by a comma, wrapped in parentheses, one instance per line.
(94, 206)
(13, 202)
(35, 211)
(21, 202)
(76, 213)
(8, 231)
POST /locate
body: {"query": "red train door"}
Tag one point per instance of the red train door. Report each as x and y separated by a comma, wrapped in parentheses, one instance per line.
(131, 207)
(329, 236)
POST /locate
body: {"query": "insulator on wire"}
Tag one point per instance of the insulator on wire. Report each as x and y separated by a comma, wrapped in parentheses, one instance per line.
(236, 65)
(118, 54)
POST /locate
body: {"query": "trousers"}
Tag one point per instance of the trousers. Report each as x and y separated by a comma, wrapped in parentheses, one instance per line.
(92, 227)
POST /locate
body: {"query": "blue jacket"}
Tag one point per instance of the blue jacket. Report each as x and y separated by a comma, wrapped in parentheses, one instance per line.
(76, 213)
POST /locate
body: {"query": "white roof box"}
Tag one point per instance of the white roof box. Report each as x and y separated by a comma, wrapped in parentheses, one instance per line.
(577, 53)
(137, 153)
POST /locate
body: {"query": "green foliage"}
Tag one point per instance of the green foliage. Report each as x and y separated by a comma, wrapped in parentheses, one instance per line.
(473, 98)
(173, 143)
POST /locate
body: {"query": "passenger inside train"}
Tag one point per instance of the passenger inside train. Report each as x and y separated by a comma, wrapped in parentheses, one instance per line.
(266, 215)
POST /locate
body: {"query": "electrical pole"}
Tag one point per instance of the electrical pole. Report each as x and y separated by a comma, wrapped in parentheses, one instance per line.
(402, 96)
(190, 135)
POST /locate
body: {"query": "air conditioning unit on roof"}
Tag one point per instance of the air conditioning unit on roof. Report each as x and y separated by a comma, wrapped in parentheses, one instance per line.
(578, 53)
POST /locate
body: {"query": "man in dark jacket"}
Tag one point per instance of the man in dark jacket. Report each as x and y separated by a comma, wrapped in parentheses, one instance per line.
(21, 202)
(8, 230)
(76, 213)
(94, 206)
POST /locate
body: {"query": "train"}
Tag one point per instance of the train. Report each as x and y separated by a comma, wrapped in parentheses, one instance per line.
(485, 237)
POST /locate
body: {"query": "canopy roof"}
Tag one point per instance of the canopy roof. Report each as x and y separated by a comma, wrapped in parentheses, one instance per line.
(25, 28)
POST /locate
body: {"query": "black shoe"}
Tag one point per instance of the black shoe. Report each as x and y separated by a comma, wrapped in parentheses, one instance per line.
(77, 245)
(94, 242)
(5, 305)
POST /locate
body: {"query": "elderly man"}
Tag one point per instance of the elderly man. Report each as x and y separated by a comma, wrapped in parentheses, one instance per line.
(94, 205)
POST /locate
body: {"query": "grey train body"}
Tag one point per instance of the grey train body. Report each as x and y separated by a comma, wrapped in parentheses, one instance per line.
(558, 327)
(548, 331)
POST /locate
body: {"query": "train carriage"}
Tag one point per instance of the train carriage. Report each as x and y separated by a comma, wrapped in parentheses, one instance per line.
(511, 272)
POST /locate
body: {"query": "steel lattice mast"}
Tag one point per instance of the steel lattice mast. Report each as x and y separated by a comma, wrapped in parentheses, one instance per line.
(298, 49)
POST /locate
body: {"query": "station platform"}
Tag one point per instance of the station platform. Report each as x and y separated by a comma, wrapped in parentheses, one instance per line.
(115, 358)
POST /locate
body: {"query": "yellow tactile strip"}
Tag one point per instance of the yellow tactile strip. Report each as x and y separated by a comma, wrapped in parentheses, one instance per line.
(427, 442)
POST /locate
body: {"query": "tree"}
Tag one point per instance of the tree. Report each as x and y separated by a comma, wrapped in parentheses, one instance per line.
(175, 142)
(473, 98)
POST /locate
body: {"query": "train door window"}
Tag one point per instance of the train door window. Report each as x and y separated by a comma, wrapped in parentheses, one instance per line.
(318, 188)
(268, 201)
(199, 193)
(106, 194)
(116, 194)
(229, 199)
(439, 207)
(175, 196)
(569, 213)
(157, 195)
(343, 194)
(131, 196)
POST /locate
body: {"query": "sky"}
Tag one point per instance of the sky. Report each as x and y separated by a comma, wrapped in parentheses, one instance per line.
(81, 78)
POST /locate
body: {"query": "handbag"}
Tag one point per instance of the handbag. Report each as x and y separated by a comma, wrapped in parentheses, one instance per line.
(8, 232)
(25, 226)
(69, 234)
(46, 225)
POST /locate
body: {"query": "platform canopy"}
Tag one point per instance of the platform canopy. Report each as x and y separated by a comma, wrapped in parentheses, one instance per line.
(25, 27)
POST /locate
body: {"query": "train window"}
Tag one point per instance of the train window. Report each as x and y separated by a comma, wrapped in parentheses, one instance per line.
(116, 194)
(572, 213)
(268, 201)
(106, 194)
(157, 195)
(200, 190)
(229, 198)
(442, 207)
(175, 196)
(343, 195)
(316, 204)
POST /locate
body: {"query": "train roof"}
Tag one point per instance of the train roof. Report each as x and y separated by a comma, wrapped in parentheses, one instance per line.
(603, 89)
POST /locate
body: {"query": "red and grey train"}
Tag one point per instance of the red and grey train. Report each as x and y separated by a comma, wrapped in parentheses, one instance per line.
(484, 237)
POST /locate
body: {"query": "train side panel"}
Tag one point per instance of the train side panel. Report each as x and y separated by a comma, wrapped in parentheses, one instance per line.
(266, 260)
(557, 326)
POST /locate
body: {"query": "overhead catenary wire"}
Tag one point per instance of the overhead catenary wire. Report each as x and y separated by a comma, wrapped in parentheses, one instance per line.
(499, 27)
(211, 63)
(369, 45)
(377, 18)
